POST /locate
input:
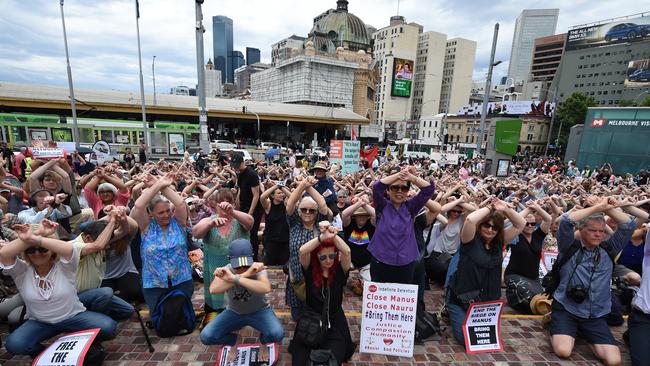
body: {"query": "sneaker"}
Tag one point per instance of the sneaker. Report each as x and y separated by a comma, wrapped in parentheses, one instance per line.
(208, 317)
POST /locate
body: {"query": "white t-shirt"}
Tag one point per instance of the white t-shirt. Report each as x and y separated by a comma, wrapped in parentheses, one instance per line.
(62, 302)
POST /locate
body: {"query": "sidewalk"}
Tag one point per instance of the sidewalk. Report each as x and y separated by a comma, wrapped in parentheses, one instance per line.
(525, 341)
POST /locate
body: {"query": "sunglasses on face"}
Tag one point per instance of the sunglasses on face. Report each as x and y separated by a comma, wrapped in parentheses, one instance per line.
(308, 210)
(30, 251)
(397, 188)
(322, 257)
(490, 226)
(530, 224)
(457, 212)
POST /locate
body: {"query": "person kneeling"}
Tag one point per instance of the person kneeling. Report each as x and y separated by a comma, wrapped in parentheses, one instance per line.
(246, 284)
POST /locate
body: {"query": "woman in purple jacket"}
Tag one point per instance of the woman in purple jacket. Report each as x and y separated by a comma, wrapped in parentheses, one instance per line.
(393, 246)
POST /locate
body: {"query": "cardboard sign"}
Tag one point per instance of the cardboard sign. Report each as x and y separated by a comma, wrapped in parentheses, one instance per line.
(247, 355)
(388, 318)
(47, 152)
(68, 350)
(482, 327)
(542, 269)
(548, 259)
(102, 151)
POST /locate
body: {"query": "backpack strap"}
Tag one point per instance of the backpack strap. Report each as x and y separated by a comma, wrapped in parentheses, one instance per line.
(610, 252)
(575, 246)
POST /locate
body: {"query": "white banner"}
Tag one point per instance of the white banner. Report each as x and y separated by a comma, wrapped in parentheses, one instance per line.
(482, 327)
(388, 318)
(247, 354)
(47, 152)
(68, 350)
(530, 107)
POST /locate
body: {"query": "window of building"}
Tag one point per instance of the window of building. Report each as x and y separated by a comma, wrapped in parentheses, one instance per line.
(531, 128)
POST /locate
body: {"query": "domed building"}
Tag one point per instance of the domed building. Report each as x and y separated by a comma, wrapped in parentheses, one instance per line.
(339, 28)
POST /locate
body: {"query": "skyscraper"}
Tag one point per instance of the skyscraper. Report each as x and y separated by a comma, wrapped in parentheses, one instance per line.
(252, 55)
(237, 61)
(222, 47)
(531, 24)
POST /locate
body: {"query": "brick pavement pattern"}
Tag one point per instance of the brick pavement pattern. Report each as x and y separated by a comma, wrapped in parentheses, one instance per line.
(525, 341)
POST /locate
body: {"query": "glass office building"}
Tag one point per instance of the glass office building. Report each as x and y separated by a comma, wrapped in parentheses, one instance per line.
(222, 47)
(530, 25)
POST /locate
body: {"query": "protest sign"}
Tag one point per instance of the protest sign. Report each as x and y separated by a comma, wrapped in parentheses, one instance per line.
(247, 354)
(102, 151)
(68, 350)
(482, 327)
(548, 259)
(47, 152)
(388, 318)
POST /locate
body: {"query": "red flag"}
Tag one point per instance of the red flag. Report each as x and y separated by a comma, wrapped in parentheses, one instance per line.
(369, 154)
(354, 133)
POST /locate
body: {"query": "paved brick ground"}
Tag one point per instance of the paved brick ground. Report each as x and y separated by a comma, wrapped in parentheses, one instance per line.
(525, 341)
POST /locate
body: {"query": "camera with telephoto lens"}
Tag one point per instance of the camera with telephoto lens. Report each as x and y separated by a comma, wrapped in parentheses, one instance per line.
(577, 293)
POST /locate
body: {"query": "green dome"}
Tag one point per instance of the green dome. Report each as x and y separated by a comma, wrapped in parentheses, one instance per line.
(338, 25)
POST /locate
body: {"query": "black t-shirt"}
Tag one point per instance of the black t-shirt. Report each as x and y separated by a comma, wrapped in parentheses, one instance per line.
(246, 181)
(524, 256)
(358, 239)
(277, 226)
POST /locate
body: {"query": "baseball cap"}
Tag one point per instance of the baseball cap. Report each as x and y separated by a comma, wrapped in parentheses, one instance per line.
(240, 253)
(236, 160)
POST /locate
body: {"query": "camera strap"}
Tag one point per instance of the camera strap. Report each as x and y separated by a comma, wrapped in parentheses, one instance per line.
(578, 261)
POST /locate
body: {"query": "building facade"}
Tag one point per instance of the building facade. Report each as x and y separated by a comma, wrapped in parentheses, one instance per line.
(252, 55)
(602, 63)
(222, 46)
(457, 73)
(243, 76)
(286, 48)
(237, 61)
(212, 81)
(427, 79)
(530, 25)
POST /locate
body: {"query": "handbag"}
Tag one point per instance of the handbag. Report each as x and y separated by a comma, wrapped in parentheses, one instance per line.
(322, 357)
(299, 288)
(312, 327)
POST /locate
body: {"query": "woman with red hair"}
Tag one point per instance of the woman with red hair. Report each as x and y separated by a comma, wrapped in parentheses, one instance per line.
(325, 262)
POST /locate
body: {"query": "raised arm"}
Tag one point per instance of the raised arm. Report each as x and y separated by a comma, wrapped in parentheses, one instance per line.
(518, 222)
(102, 240)
(295, 197)
(139, 211)
(265, 201)
(468, 231)
(62, 248)
(546, 218)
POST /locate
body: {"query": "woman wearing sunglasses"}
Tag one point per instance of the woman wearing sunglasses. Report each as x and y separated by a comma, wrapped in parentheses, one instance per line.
(325, 262)
(46, 276)
(302, 214)
(393, 246)
(478, 275)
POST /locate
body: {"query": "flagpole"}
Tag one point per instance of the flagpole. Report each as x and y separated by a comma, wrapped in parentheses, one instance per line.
(144, 113)
(73, 104)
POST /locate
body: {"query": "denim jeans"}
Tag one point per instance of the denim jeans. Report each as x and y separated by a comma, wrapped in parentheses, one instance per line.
(102, 300)
(639, 325)
(26, 340)
(151, 295)
(456, 318)
(221, 329)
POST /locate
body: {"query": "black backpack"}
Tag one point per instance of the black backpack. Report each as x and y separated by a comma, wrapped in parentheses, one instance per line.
(322, 357)
(427, 326)
(551, 280)
(174, 315)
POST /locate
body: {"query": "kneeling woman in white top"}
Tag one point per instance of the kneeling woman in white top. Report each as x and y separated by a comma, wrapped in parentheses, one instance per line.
(46, 281)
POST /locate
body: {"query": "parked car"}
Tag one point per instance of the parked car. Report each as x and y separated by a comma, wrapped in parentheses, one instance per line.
(627, 30)
(640, 75)
(222, 145)
(245, 153)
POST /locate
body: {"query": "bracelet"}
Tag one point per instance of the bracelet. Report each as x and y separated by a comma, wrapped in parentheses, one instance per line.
(237, 277)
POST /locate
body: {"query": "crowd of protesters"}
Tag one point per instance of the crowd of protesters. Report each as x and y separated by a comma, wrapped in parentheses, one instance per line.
(82, 241)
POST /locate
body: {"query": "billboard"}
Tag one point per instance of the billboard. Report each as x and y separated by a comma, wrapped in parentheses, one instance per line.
(638, 74)
(518, 107)
(402, 78)
(626, 30)
(506, 136)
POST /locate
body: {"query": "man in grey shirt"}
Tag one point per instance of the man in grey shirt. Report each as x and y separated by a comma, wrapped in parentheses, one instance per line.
(246, 284)
(583, 297)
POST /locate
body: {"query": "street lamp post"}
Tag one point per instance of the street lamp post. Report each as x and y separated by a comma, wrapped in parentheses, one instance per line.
(73, 105)
(200, 73)
(153, 74)
(488, 86)
(142, 101)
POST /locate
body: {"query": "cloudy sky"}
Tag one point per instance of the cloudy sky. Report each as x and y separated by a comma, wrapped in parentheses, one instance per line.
(103, 45)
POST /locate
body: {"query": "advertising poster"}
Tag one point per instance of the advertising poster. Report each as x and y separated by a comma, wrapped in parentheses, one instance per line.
(628, 30)
(247, 355)
(482, 327)
(62, 134)
(388, 318)
(506, 137)
(503, 167)
(176, 143)
(402, 78)
(68, 350)
(514, 108)
(638, 74)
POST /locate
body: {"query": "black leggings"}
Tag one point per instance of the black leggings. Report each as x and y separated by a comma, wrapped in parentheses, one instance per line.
(129, 286)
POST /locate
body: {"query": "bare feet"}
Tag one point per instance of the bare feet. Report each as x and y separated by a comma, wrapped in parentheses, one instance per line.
(263, 355)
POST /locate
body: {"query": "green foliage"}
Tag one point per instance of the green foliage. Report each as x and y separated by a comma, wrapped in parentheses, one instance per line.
(571, 112)
(645, 102)
(626, 103)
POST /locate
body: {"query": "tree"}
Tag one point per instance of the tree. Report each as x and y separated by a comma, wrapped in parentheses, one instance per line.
(630, 103)
(571, 112)
(645, 102)
(626, 103)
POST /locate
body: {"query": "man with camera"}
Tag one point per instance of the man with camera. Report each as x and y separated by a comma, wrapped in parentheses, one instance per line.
(583, 297)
